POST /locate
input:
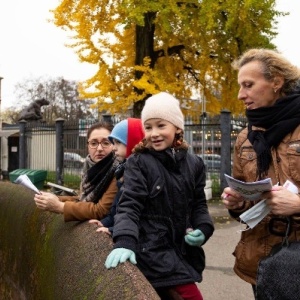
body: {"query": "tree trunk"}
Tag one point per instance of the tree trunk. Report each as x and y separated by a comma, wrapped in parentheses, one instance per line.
(144, 48)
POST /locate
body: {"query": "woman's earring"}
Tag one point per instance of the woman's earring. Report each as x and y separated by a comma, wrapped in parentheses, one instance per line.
(275, 90)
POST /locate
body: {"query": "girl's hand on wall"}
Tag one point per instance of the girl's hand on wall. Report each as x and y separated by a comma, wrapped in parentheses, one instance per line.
(95, 221)
(104, 229)
(119, 255)
(100, 226)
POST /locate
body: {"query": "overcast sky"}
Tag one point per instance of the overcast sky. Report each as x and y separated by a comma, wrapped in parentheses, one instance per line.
(32, 47)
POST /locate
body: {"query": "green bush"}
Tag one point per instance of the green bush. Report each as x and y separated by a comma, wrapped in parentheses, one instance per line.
(216, 187)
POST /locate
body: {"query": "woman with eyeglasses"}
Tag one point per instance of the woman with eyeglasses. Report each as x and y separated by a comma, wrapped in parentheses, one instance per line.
(98, 185)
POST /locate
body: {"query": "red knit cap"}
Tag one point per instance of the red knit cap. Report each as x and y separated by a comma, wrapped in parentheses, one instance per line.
(135, 134)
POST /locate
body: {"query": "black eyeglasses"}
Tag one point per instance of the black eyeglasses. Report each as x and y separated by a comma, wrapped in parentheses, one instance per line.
(95, 144)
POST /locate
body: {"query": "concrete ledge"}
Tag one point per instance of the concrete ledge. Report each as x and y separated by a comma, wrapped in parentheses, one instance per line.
(42, 257)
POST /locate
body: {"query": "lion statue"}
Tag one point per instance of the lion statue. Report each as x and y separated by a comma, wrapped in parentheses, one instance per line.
(32, 112)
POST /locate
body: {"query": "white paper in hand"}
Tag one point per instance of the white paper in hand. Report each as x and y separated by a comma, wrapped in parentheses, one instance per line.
(256, 213)
(250, 190)
(291, 187)
(25, 180)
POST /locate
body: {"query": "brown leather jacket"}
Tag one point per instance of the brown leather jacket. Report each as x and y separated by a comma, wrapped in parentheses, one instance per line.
(257, 242)
(75, 210)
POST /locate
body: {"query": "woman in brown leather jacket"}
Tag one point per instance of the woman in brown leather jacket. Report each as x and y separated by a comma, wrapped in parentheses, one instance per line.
(268, 147)
(98, 184)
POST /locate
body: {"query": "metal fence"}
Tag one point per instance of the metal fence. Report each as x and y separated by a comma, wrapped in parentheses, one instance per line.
(61, 148)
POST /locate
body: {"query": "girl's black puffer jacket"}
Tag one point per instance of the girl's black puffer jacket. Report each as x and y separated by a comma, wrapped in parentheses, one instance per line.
(163, 195)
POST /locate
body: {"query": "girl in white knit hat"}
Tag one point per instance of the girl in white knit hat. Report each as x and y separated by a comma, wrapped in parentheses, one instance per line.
(162, 219)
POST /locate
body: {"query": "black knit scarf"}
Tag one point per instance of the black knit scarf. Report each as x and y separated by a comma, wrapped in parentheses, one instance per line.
(278, 120)
(97, 178)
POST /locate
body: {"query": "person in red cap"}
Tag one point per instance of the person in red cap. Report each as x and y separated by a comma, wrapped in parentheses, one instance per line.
(125, 135)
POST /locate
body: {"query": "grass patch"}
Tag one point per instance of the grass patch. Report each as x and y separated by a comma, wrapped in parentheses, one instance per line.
(71, 181)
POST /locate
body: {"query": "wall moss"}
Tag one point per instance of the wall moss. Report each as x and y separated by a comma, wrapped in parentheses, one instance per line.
(42, 257)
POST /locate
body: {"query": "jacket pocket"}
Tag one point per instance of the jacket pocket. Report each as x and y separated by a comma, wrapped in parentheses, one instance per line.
(293, 155)
(248, 161)
(246, 260)
(156, 259)
(196, 258)
(254, 244)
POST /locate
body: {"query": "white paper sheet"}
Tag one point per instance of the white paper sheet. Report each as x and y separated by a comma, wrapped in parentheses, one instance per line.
(25, 180)
(250, 190)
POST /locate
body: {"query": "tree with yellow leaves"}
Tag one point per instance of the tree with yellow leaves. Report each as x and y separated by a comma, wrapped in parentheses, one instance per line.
(183, 47)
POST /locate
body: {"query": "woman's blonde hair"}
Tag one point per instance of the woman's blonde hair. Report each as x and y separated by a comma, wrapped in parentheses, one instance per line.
(274, 64)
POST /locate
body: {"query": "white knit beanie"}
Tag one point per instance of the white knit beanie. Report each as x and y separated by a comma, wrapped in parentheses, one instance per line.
(163, 106)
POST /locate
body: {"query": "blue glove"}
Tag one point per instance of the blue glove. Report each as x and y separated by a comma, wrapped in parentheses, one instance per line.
(119, 255)
(194, 238)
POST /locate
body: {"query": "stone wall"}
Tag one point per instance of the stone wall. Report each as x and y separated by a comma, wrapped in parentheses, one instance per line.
(42, 257)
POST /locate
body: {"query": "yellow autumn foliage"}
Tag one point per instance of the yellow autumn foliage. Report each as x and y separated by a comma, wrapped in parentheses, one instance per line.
(146, 46)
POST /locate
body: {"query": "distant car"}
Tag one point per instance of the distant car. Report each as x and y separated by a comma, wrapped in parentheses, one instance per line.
(212, 161)
(73, 160)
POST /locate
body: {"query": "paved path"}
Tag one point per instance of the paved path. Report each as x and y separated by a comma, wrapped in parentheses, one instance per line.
(219, 280)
